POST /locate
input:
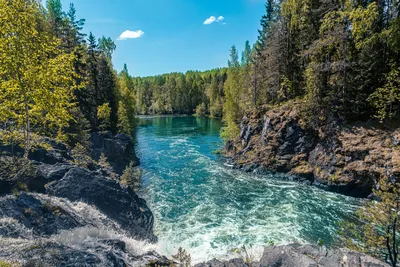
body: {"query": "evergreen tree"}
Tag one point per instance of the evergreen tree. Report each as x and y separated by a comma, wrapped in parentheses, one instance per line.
(107, 46)
(232, 90)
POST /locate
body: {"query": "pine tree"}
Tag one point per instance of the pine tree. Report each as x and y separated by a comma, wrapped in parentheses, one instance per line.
(107, 46)
(232, 90)
(55, 17)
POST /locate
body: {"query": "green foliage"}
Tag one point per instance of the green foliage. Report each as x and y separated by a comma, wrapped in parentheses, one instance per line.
(233, 91)
(78, 130)
(201, 110)
(216, 108)
(131, 177)
(126, 104)
(15, 169)
(103, 114)
(378, 234)
(385, 98)
(31, 64)
(178, 93)
(107, 46)
(81, 156)
(7, 264)
(183, 258)
(124, 123)
(230, 132)
(106, 167)
(285, 89)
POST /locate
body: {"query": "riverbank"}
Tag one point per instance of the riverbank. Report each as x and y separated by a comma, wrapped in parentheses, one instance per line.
(80, 216)
(54, 212)
(345, 158)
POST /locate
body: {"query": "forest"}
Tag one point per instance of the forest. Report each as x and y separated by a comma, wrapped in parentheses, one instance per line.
(340, 58)
(338, 54)
(55, 80)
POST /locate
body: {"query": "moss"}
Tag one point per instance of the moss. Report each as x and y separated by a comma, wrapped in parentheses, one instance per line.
(334, 178)
(303, 168)
(32, 248)
(250, 154)
(7, 264)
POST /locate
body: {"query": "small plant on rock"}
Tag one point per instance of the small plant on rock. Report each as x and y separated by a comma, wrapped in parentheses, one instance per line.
(81, 156)
(183, 258)
(244, 253)
(131, 177)
(105, 165)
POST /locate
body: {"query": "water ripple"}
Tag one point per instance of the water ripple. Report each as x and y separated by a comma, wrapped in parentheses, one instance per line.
(209, 209)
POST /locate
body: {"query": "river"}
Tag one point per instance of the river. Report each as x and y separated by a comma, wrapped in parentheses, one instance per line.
(210, 209)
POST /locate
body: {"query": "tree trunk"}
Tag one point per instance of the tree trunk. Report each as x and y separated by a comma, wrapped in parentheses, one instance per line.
(255, 85)
(27, 130)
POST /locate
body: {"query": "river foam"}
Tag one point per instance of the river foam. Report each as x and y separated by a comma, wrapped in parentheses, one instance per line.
(211, 210)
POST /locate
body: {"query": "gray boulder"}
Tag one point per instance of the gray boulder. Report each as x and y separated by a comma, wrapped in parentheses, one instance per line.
(119, 150)
(297, 255)
(120, 204)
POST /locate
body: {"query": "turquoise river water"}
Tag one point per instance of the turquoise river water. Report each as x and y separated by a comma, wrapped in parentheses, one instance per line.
(210, 209)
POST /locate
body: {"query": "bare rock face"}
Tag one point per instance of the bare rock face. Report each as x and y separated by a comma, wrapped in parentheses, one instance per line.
(296, 255)
(119, 150)
(347, 159)
(119, 203)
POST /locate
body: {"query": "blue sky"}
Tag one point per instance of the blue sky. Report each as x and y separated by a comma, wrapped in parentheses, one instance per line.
(171, 35)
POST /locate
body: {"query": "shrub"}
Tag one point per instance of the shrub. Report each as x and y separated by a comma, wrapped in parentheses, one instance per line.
(106, 167)
(81, 156)
(131, 177)
(201, 110)
(380, 230)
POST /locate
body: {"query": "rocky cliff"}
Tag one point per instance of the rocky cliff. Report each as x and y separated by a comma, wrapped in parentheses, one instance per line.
(348, 158)
(54, 213)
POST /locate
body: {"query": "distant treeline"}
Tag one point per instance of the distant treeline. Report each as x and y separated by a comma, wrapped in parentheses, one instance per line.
(181, 93)
(342, 58)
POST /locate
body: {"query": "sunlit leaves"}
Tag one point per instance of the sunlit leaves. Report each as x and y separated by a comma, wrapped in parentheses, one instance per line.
(37, 78)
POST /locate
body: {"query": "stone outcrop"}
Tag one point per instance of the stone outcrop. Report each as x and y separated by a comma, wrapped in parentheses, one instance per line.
(348, 159)
(48, 165)
(118, 203)
(42, 218)
(296, 255)
(107, 252)
(118, 150)
(71, 211)
(53, 172)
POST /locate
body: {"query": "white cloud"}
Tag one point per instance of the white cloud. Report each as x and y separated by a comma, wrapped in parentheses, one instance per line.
(130, 34)
(213, 19)
(220, 18)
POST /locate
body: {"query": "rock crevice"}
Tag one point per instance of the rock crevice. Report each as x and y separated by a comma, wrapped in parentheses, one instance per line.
(348, 158)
